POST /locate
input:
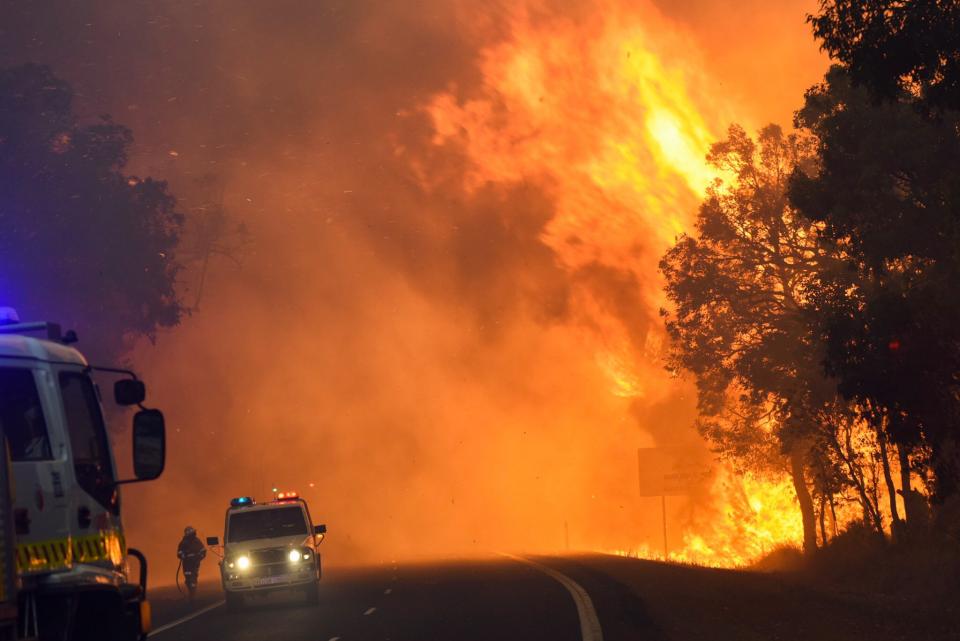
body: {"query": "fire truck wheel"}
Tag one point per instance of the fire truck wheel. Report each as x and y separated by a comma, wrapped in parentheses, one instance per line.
(102, 615)
(54, 613)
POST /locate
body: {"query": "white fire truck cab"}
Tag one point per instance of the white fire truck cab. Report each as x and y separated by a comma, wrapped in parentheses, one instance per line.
(269, 546)
(69, 542)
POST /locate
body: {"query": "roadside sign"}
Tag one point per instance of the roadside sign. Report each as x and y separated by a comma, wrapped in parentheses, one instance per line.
(670, 471)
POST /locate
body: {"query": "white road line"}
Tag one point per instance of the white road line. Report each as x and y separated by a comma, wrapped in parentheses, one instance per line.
(388, 591)
(192, 615)
(589, 621)
(334, 638)
(369, 612)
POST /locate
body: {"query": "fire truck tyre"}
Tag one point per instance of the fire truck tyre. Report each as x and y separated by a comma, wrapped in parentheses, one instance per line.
(234, 601)
(53, 616)
(312, 593)
(102, 616)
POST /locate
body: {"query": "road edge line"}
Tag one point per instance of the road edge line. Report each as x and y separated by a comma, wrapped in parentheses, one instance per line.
(589, 621)
(189, 617)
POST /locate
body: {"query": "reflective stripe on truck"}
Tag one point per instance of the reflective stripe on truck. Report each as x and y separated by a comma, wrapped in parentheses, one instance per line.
(57, 554)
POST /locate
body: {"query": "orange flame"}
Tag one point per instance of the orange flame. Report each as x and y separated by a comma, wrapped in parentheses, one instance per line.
(610, 115)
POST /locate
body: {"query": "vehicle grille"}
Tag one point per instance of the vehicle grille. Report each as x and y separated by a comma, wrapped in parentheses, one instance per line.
(268, 555)
(260, 571)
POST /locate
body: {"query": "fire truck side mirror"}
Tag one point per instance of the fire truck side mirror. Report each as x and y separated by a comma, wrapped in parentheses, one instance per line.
(129, 391)
(213, 540)
(319, 529)
(149, 444)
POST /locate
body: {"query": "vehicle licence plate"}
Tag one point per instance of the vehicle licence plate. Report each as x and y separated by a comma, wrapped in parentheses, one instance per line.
(271, 580)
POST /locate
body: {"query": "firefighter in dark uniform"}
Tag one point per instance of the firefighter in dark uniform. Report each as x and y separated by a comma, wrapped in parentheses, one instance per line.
(191, 552)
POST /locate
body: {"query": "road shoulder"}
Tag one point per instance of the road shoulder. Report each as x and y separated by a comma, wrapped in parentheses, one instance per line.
(693, 603)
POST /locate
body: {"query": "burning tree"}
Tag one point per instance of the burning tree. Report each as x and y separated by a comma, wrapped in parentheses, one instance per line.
(741, 288)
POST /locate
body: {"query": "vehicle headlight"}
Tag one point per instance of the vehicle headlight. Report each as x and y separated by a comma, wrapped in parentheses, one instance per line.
(294, 556)
(243, 562)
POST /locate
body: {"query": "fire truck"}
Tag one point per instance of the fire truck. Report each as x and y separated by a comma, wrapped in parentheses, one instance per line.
(67, 540)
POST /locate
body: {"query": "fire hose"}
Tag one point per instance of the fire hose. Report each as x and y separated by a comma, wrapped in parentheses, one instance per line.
(179, 565)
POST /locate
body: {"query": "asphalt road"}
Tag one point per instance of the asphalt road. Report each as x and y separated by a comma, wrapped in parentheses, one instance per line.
(492, 599)
(585, 598)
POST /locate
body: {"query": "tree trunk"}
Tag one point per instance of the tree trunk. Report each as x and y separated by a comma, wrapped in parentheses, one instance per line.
(806, 502)
(873, 495)
(895, 525)
(833, 516)
(904, 457)
(822, 515)
(945, 461)
(855, 471)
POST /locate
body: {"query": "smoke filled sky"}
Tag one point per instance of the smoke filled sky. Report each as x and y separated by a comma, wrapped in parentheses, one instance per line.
(443, 329)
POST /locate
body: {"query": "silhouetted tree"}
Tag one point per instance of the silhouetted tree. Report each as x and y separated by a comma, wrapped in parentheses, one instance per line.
(894, 47)
(740, 288)
(886, 187)
(80, 241)
(212, 233)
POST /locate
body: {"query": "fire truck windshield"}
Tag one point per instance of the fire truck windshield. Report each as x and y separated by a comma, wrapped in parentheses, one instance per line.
(21, 416)
(88, 438)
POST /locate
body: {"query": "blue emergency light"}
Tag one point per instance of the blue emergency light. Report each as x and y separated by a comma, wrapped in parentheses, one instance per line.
(10, 324)
(241, 501)
(8, 316)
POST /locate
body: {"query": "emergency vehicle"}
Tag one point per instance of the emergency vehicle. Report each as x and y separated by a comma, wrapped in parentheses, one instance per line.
(269, 546)
(70, 552)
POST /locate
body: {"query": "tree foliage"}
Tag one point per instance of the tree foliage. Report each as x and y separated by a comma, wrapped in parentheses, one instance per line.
(82, 242)
(816, 304)
(740, 289)
(887, 189)
(748, 291)
(896, 46)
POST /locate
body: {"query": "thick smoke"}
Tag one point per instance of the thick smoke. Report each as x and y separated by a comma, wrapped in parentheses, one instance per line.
(406, 345)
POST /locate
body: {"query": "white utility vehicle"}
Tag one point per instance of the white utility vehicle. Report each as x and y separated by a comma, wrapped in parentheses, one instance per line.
(269, 546)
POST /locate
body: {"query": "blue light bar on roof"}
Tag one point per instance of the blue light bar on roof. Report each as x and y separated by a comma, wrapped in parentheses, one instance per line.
(242, 501)
(8, 316)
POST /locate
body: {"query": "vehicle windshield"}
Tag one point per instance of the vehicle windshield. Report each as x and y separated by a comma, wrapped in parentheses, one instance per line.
(21, 416)
(266, 524)
(88, 438)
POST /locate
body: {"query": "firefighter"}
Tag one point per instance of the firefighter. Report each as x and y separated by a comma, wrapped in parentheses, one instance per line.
(190, 552)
